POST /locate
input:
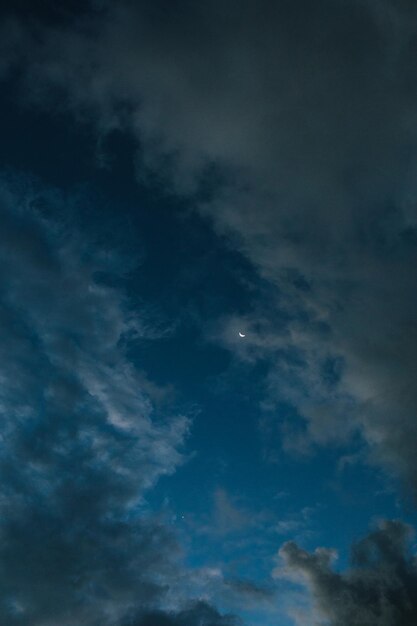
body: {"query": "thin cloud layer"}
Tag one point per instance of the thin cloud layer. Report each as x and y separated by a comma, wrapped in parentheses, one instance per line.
(380, 587)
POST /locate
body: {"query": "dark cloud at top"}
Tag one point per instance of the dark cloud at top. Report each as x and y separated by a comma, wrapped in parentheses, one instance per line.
(380, 588)
(306, 114)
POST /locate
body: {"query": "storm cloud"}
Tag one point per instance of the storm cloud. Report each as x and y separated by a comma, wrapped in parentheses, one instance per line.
(379, 588)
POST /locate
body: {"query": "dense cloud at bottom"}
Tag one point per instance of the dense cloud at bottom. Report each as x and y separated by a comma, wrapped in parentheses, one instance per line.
(197, 614)
(306, 113)
(80, 441)
(380, 588)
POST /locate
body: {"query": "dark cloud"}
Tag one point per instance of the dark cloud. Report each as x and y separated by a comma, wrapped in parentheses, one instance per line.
(198, 614)
(380, 587)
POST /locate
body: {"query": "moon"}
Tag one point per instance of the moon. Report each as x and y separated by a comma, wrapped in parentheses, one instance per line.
(241, 334)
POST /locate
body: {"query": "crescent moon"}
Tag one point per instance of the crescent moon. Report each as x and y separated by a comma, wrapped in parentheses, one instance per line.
(241, 334)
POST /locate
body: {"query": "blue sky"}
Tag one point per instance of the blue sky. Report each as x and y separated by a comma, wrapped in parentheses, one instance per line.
(172, 174)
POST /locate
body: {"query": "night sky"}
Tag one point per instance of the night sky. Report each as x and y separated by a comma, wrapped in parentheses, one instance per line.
(175, 174)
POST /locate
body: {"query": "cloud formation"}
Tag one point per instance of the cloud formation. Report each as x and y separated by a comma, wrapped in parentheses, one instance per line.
(81, 442)
(198, 614)
(380, 587)
(303, 114)
(296, 122)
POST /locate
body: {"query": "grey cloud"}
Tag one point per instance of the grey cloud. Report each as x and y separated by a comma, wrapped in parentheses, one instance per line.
(80, 440)
(306, 114)
(197, 614)
(249, 592)
(380, 587)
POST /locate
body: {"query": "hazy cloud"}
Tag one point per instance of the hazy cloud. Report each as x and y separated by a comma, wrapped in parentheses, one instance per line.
(227, 516)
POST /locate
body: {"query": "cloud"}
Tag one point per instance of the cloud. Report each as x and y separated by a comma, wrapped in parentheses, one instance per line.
(227, 516)
(81, 441)
(197, 614)
(380, 587)
(296, 523)
(230, 518)
(250, 593)
(304, 116)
